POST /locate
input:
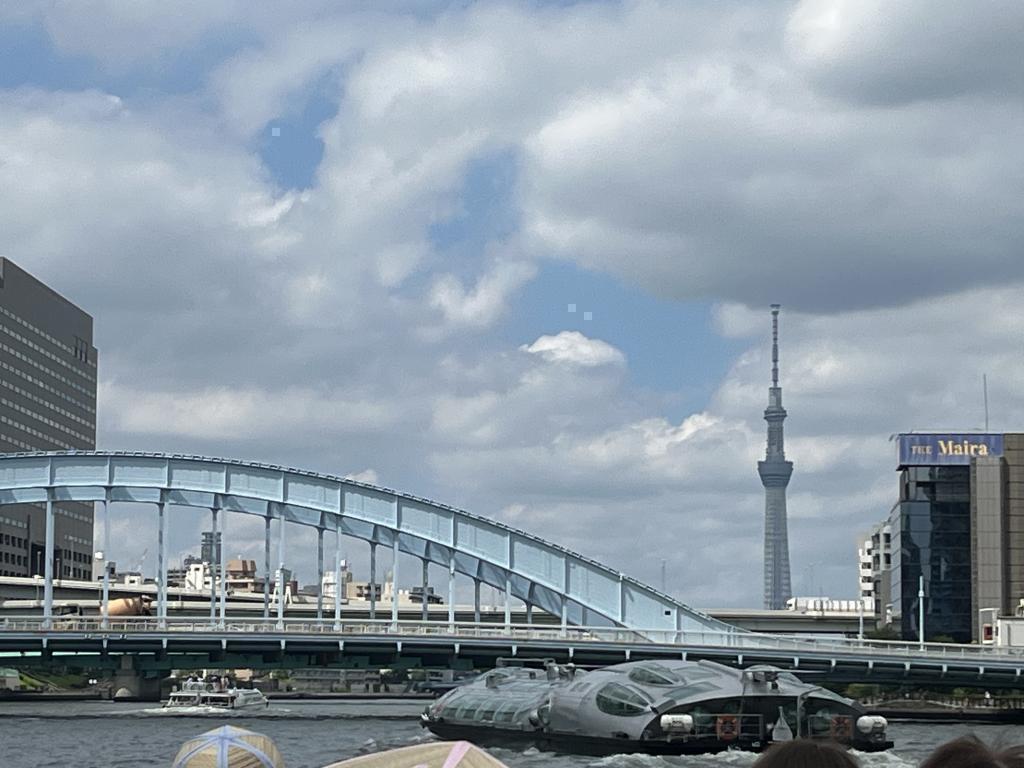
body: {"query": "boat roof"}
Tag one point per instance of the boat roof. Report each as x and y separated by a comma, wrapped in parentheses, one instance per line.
(666, 683)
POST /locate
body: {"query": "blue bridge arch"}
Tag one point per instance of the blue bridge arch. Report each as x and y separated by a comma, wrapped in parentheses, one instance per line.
(540, 573)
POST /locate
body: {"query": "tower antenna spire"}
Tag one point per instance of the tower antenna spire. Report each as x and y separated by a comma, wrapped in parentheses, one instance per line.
(775, 344)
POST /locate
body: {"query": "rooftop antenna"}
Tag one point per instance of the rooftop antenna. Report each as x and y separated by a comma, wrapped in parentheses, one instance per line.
(775, 344)
(984, 389)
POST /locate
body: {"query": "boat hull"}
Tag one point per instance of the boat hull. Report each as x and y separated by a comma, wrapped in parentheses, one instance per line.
(577, 744)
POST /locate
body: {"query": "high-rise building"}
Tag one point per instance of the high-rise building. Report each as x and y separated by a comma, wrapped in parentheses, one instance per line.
(775, 472)
(957, 531)
(47, 402)
(209, 551)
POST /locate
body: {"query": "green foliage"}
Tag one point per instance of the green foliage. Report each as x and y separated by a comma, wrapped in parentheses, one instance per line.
(861, 691)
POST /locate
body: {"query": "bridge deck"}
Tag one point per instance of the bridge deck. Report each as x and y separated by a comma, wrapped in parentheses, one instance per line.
(259, 643)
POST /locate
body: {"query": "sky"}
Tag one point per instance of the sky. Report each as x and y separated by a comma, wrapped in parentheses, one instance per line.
(518, 256)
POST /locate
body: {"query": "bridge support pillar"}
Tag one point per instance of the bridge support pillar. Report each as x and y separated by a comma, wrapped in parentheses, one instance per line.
(426, 576)
(106, 564)
(508, 603)
(161, 566)
(266, 567)
(130, 683)
(280, 571)
(394, 579)
(476, 601)
(319, 574)
(48, 583)
(451, 592)
(373, 581)
(337, 578)
(223, 570)
(214, 566)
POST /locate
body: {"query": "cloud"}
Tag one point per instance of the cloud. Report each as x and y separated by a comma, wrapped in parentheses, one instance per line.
(814, 154)
(892, 53)
(574, 348)
(244, 413)
(486, 301)
(365, 476)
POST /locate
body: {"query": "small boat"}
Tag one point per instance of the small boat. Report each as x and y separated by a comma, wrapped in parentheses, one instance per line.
(213, 695)
(666, 708)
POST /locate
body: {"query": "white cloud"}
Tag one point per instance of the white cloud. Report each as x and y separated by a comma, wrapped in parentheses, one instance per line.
(242, 414)
(576, 349)
(742, 154)
(486, 301)
(365, 476)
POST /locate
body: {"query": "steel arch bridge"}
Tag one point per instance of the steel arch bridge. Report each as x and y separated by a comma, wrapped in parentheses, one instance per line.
(552, 578)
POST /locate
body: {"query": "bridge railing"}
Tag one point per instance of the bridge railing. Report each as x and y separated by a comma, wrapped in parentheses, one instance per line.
(740, 642)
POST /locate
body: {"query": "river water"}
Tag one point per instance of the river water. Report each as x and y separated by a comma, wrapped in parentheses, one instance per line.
(310, 735)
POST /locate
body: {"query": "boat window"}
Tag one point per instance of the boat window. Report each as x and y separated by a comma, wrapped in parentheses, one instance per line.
(485, 714)
(467, 708)
(507, 712)
(653, 674)
(819, 719)
(615, 699)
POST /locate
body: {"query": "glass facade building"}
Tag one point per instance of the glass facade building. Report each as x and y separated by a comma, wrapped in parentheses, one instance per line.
(47, 402)
(959, 525)
(931, 538)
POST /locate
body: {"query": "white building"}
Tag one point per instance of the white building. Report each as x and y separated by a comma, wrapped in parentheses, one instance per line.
(329, 583)
(865, 574)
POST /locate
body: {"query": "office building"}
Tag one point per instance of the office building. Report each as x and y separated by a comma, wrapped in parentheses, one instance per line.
(209, 550)
(957, 531)
(47, 402)
(775, 472)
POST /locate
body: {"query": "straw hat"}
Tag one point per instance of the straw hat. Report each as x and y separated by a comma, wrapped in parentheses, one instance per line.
(434, 754)
(228, 747)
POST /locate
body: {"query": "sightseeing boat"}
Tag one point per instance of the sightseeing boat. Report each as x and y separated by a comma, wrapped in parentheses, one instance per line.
(666, 707)
(214, 695)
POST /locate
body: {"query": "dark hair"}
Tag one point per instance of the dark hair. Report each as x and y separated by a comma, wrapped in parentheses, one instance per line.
(970, 752)
(804, 753)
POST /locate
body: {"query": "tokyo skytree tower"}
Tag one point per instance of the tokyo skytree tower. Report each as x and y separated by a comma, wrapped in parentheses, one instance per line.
(775, 472)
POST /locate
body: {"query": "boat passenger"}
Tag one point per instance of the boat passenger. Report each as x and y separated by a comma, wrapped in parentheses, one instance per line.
(804, 753)
(971, 752)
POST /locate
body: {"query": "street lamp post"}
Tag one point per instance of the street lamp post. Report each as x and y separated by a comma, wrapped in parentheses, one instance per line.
(920, 612)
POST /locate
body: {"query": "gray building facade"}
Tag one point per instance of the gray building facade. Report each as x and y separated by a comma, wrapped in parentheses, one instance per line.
(209, 551)
(775, 472)
(47, 402)
(997, 530)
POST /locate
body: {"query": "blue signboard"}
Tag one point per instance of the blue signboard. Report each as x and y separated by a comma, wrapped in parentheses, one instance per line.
(947, 449)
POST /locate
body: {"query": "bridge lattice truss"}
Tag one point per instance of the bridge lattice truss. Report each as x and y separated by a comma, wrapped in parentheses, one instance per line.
(541, 574)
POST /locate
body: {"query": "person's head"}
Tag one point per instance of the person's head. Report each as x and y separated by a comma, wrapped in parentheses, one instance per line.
(969, 752)
(804, 753)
